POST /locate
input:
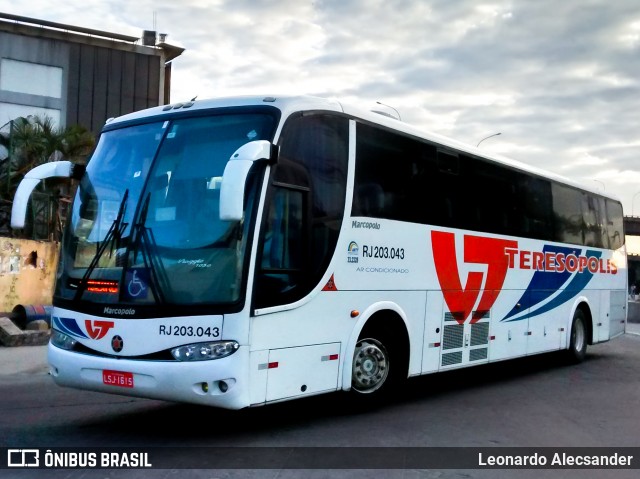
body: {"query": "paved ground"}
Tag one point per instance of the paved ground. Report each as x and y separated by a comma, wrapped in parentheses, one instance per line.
(23, 359)
(529, 402)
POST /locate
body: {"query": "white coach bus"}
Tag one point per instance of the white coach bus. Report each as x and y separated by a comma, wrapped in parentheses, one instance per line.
(237, 252)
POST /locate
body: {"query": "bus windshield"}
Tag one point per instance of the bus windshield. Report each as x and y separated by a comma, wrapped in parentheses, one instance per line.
(145, 227)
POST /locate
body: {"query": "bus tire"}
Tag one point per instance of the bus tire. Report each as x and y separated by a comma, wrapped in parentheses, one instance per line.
(371, 367)
(380, 362)
(578, 339)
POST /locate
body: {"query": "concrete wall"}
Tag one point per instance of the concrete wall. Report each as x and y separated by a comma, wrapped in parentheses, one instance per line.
(27, 272)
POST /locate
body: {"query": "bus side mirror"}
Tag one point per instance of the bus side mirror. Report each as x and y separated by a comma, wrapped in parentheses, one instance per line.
(61, 169)
(235, 175)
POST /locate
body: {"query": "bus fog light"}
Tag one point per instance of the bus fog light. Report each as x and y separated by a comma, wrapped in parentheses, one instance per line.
(222, 386)
(205, 351)
(61, 340)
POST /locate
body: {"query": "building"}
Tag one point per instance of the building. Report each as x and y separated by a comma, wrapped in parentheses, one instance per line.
(79, 75)
(75, 76)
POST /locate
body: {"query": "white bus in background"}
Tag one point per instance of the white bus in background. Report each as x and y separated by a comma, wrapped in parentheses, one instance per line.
(236, 252)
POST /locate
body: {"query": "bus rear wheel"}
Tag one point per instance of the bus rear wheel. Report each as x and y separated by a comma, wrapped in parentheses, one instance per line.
(578, 342)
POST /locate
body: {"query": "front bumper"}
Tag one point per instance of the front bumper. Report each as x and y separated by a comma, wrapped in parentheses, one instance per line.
(226, 379)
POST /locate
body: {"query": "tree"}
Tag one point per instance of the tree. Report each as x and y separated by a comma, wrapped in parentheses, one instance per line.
(30, 142)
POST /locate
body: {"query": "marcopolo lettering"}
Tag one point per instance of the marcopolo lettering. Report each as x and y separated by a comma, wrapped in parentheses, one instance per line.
(368, 225)
(125, 311)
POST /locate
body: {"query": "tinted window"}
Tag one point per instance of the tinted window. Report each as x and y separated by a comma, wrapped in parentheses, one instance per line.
(535, 210)
(614, 224)
(594, 231)
(403, 178)
(494, 205)
(282, 262)
(567, 214)
(305, 209)
(384, 168)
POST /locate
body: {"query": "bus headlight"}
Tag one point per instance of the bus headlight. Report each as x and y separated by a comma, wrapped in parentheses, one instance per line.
(61, 340)
(205, 351)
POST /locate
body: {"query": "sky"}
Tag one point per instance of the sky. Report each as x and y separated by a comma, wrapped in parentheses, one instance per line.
(559, 80)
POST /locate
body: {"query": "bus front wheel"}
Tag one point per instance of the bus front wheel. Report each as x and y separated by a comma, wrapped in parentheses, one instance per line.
(578, 342)
(370, 370)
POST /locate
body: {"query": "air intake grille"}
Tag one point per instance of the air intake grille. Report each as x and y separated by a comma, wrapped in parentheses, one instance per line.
(478, 354)
(479, 334)
(452, 336)
(448, 316)
(451, 358)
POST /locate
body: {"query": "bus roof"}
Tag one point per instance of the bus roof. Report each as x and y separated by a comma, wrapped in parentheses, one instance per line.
(289, 104)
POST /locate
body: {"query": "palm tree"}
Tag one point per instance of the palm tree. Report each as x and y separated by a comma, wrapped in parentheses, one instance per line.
(30, 142)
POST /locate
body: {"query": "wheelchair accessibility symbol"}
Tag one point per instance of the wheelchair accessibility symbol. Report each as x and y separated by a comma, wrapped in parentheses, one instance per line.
(135, 286)
(137, 281)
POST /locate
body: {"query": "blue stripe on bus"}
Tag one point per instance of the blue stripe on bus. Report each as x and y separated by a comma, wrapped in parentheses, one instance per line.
(545, 282)
(69, 326)
(577, 284)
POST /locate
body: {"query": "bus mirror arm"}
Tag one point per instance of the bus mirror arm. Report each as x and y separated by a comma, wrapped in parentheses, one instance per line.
(60, 169)
(235, 176)
(77, 171)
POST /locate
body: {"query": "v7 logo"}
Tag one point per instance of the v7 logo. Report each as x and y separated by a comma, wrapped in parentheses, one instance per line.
(98, 329)
(477, 250)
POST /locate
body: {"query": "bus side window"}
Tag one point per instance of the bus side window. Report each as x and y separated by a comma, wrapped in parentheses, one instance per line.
(494, 208)
(591, 222)
(602, 221)
(370, 199)
(283, 247)
(389, 179)
(305, 208)
(567, 214)
(614, 224)
(535, 209)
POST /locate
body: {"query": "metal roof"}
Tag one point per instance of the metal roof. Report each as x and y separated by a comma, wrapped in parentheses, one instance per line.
(68, 28)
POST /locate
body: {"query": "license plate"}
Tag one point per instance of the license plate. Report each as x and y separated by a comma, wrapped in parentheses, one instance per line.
(118, 378)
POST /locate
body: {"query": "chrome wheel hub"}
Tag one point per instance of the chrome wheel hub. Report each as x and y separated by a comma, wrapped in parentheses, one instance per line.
(370, 366)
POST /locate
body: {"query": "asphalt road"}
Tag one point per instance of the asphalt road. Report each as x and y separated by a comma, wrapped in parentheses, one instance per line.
(531, 402)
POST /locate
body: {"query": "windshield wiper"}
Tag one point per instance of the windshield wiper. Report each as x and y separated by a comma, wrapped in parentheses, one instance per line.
(113, 238)
(144, 243)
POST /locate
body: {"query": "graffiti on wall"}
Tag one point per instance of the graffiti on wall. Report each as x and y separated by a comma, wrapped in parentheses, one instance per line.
(9, 258)
(27, 271)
